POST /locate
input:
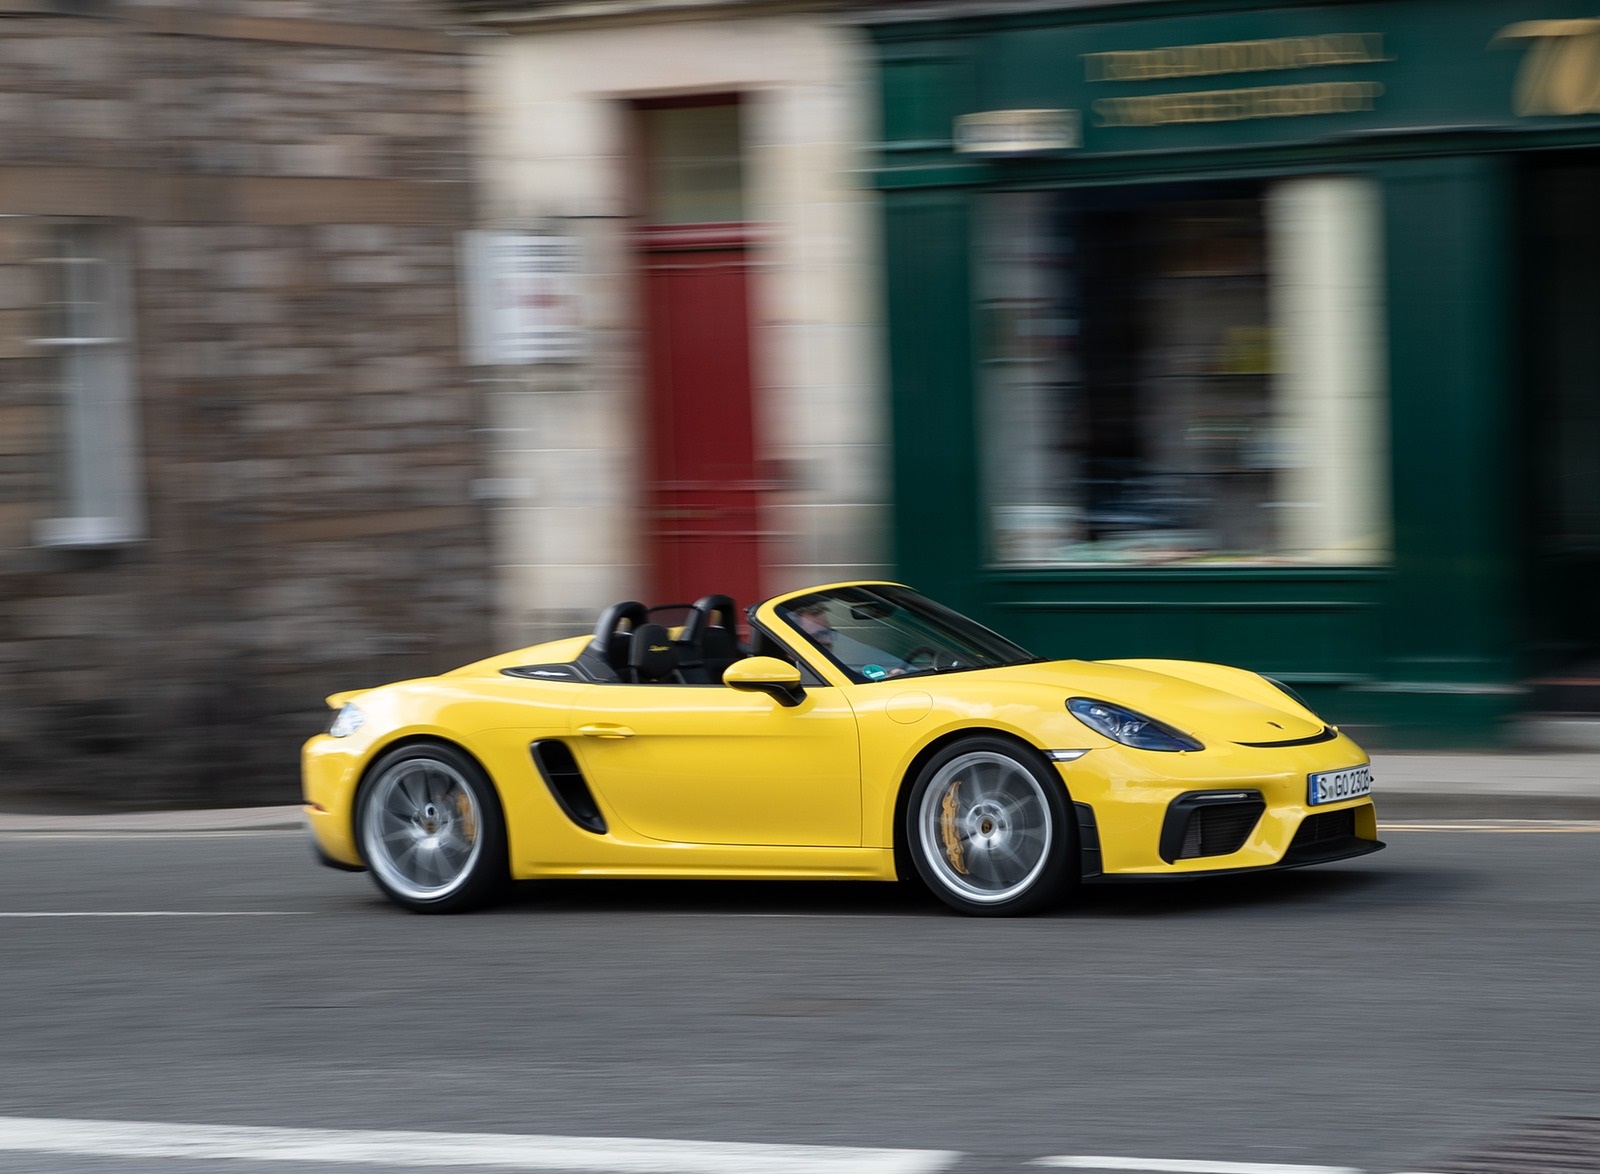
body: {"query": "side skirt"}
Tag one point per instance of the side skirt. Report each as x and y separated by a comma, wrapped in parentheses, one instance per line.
(658, 861)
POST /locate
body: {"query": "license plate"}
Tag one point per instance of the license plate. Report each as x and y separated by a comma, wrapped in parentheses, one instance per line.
(1335, 786)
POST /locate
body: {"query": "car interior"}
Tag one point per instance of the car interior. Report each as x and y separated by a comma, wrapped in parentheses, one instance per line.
(631, 644)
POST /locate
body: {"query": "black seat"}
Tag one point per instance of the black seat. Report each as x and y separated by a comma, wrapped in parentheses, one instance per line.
(652, 656)
(710, 639)
(613, 638)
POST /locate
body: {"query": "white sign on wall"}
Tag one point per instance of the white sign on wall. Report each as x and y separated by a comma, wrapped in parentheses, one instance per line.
(522, 298)
(1018, 132)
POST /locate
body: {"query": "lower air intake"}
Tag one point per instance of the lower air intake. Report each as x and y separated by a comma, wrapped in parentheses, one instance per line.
(1209, 823)
(1325, 826)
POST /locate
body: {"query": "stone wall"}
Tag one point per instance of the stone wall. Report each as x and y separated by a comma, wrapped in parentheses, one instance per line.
(290, 178)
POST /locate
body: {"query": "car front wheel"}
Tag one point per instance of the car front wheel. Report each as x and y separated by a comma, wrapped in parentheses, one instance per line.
(987, 828)
(431, 830)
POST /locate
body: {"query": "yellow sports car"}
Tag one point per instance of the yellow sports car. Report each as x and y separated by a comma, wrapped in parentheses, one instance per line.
(863, 731)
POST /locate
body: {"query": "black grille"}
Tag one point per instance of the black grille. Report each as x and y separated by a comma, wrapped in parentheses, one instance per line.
(1328, 734)
(1216, 831)
(1209, 823)
(1325, 826)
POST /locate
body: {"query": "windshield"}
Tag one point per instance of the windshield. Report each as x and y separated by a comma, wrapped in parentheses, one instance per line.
(874, 633)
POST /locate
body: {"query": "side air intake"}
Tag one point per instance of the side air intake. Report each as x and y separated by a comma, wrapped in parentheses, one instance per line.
(561, 774)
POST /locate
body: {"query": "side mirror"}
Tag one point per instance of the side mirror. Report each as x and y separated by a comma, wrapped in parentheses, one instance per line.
(766, 674)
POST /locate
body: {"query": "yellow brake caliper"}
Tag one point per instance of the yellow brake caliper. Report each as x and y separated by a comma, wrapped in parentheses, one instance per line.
(947, 830)
(469, 826)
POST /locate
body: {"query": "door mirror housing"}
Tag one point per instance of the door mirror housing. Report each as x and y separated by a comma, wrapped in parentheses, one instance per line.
(766, 674)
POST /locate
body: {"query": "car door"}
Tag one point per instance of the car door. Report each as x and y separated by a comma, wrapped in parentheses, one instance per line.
(708, 764)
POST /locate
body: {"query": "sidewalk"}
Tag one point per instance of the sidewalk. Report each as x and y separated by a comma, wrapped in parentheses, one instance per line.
(1533, 785)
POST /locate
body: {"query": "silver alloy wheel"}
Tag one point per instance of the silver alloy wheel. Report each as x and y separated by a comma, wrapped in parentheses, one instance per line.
(986, 828)
(422, 828)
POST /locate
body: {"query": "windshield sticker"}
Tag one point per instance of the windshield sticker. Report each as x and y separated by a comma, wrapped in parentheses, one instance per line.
(874, 672)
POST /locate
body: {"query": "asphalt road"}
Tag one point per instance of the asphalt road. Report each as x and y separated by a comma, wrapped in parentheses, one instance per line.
(1410, 1011)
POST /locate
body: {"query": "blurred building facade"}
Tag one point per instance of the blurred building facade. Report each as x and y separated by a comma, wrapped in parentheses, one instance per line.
(691, 399)
(1247, 332)
(237, 441)
(1258, 333)
(1253, 332)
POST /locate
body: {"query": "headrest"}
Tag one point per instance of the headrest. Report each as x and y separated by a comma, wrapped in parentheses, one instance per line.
(651, 655)
(613, 632)
(709, 612)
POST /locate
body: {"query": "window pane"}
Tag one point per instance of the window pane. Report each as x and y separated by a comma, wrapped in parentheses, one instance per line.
(83, 279)
(693, 163)
(1184, 373)
(90, 308)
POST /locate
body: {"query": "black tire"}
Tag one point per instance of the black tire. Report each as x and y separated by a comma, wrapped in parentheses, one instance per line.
(1008, 846)
(431, 831)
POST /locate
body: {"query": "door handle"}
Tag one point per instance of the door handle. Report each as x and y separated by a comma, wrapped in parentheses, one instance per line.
(605, 730)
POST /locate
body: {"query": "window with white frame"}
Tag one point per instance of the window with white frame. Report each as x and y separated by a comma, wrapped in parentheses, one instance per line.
(86, 323)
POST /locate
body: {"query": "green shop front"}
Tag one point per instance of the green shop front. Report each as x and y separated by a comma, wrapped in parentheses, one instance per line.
(1262, 335)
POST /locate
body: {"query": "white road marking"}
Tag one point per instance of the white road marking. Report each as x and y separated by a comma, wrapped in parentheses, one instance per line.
(162, 913)
(1495, 825)
(788, 916)
(571, 1155)
(1182, 1166)
(134, 834)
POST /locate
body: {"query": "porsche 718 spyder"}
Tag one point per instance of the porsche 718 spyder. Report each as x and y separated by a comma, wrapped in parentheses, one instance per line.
(858, 730)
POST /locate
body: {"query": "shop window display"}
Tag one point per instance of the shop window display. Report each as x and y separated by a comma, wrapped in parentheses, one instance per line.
(1184, 374)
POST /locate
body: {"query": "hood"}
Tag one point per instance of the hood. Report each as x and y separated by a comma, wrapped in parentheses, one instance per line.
(1212, 702)
(563, 651)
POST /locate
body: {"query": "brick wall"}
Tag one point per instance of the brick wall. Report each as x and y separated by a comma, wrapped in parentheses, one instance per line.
(290, 177)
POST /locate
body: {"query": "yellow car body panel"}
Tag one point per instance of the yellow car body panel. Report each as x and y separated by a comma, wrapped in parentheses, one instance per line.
(1128, 790)
(703, 780)
(1130, 798)
(711, 765)
(458, 708)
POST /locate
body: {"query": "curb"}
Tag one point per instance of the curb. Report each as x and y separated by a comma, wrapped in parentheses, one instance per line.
(1528, 785)
(1406, 805)
(228, 819)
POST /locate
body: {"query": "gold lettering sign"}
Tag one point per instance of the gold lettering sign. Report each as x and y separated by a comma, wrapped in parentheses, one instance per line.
(1561, 72)
(1237, 105)
(1141, 65)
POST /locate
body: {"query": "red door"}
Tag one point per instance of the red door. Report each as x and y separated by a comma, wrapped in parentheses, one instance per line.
(702, 507)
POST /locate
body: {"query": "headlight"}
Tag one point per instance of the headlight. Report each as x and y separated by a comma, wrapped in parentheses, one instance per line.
(1127, 727)
(346, 722)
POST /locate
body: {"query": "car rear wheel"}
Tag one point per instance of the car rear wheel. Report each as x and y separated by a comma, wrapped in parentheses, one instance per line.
(987, 827)
(431, 830)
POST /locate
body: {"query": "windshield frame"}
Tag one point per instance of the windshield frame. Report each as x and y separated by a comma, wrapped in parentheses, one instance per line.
(954, 642)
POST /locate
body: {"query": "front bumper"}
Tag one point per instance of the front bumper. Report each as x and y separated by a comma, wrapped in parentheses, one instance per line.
(1303, 850)
(1145, 815)
(329, 772)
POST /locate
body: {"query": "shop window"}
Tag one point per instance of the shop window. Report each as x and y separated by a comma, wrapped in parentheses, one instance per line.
(1178, 374)
(85, 330)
